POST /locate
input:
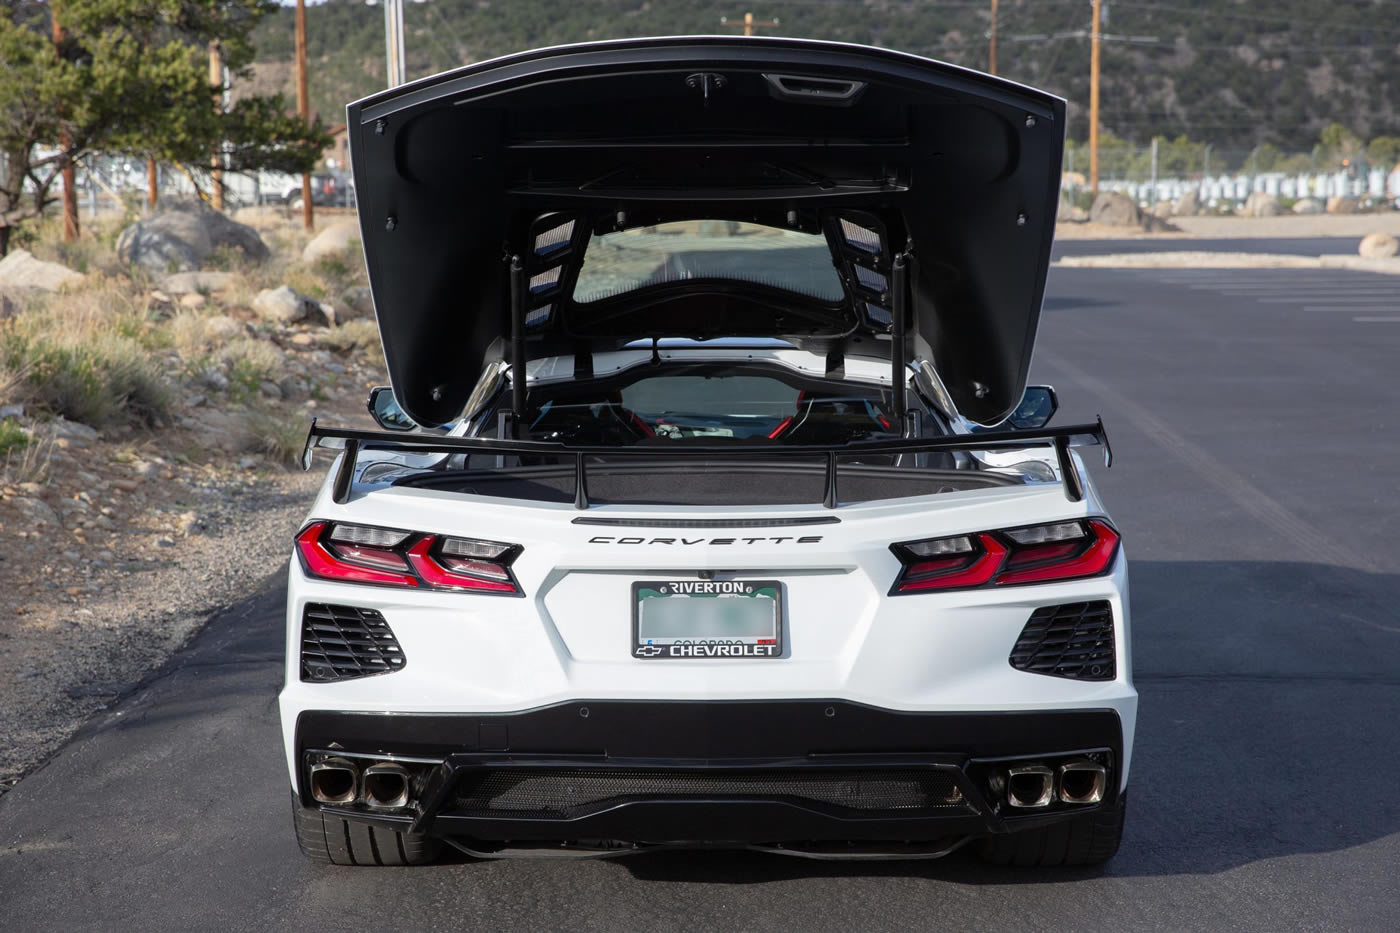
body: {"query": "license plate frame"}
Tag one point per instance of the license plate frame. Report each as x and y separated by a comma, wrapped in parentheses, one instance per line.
(755, 646)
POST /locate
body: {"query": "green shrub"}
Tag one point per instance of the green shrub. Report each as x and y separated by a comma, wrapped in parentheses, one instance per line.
(12, 437)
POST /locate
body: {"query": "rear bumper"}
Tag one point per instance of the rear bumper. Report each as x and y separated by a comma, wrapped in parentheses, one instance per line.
(726, 743)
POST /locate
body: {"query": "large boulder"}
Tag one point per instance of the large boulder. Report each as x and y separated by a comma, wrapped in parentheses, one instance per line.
(182, 237)
(284, 306)
(21, 270)
(1118, 210)
(1341, 205)
(1115, 210)
(1307, 206)
(1260, 204)
(1188, 205)
(1162, 209)
(331, 240)
(1378, 246)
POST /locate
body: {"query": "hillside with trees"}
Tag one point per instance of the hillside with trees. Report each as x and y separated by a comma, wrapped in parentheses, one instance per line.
(1236, 73)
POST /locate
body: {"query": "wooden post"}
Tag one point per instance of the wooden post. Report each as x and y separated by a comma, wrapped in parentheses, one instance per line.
(304, 111)
(65, 144)
(216, 161)
(992, 47)
(152, 184)
(1094, 100)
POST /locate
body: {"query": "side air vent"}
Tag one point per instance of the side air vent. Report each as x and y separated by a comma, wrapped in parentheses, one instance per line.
(1074, 640)
(344, 642)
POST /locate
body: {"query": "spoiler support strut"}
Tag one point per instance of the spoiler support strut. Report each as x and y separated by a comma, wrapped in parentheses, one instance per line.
(517, 344)
(899, 304)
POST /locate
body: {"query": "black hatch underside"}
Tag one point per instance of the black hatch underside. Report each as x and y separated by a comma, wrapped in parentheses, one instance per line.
(882, 153)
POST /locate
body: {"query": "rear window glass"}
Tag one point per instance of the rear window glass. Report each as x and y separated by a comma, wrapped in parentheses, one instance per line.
(628, 260)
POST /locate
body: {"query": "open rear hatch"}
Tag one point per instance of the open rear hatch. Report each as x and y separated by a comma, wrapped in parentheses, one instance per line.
(911, 171)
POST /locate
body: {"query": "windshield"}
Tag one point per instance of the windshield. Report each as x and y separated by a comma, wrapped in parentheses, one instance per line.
(628, 260)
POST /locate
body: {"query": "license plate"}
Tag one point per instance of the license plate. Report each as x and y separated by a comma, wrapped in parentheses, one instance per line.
(702, 619)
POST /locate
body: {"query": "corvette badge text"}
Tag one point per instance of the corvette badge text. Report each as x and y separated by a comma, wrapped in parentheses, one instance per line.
(691, 542)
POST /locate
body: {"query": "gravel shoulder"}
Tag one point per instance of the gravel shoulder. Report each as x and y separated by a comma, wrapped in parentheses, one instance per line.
(115, 562)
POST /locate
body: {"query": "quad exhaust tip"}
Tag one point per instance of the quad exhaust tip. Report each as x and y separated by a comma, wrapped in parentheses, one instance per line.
(386, 786)
(1030, 786)
(335, 781)
(1082, 781)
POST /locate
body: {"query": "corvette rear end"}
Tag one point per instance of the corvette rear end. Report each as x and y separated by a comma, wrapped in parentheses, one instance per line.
(695, 536)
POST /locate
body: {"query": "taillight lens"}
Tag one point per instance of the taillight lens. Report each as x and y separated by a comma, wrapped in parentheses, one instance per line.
(1033, 554)
(389, 557)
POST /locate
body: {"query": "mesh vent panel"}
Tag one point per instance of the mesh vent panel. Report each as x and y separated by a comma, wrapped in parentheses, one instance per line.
(1074, 640)
(565, 793)
(341, 642)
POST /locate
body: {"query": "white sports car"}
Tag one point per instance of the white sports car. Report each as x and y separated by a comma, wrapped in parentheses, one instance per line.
(711, 507)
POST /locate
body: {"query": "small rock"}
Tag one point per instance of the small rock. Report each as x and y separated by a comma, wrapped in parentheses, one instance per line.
(126, 485)
(36, 511)
(20, 268)
(186, 283)
(1378, 246)
(1260, 204)
(145, 470)
(90, 480)
(190, 524)
(1341, 205)
(271, 390)
(192, 300)
(285, 306)
(75, 557)
(303, 340)
(359, 301)
(164, 542)
(1307, 206)
(247, 463)
(222, 328)
(74, 431)
(331, 240)
(216, 380)
(336, 368)
(11, 411)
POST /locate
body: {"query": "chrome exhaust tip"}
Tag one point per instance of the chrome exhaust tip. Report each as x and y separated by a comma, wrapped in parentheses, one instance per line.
(334, 781)
(1082, 781)
(386, 786)
(1030, 786)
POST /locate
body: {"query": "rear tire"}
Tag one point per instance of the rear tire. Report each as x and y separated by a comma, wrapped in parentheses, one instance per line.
(333, 841)
(1087, 839)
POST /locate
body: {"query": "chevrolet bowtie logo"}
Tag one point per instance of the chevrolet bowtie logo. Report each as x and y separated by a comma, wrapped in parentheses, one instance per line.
(648, 651)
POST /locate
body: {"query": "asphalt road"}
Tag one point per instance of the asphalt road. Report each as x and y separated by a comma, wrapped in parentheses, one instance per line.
(1254, 415)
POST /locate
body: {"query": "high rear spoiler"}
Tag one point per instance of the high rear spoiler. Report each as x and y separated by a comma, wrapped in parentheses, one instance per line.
(353, 441)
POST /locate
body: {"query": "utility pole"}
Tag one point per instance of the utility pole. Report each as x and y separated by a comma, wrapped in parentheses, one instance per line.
(1094, 99)
(992, 48)
(393, 42)
(216, 161)
(748, 23)
(65, 143)
(304, 111)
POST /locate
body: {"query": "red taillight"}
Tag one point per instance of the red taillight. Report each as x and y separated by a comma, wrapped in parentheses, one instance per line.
(973, 568)
(360, 554)
(1090, 560)
(457, 576)
(1036, 554)
(321, 561)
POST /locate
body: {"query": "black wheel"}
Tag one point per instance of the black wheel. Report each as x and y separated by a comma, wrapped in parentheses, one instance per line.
(334, 841)
(1088, 839)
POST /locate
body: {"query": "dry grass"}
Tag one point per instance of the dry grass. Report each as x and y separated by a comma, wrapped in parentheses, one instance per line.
(87, 355)
(28, 464)
(278, 437)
